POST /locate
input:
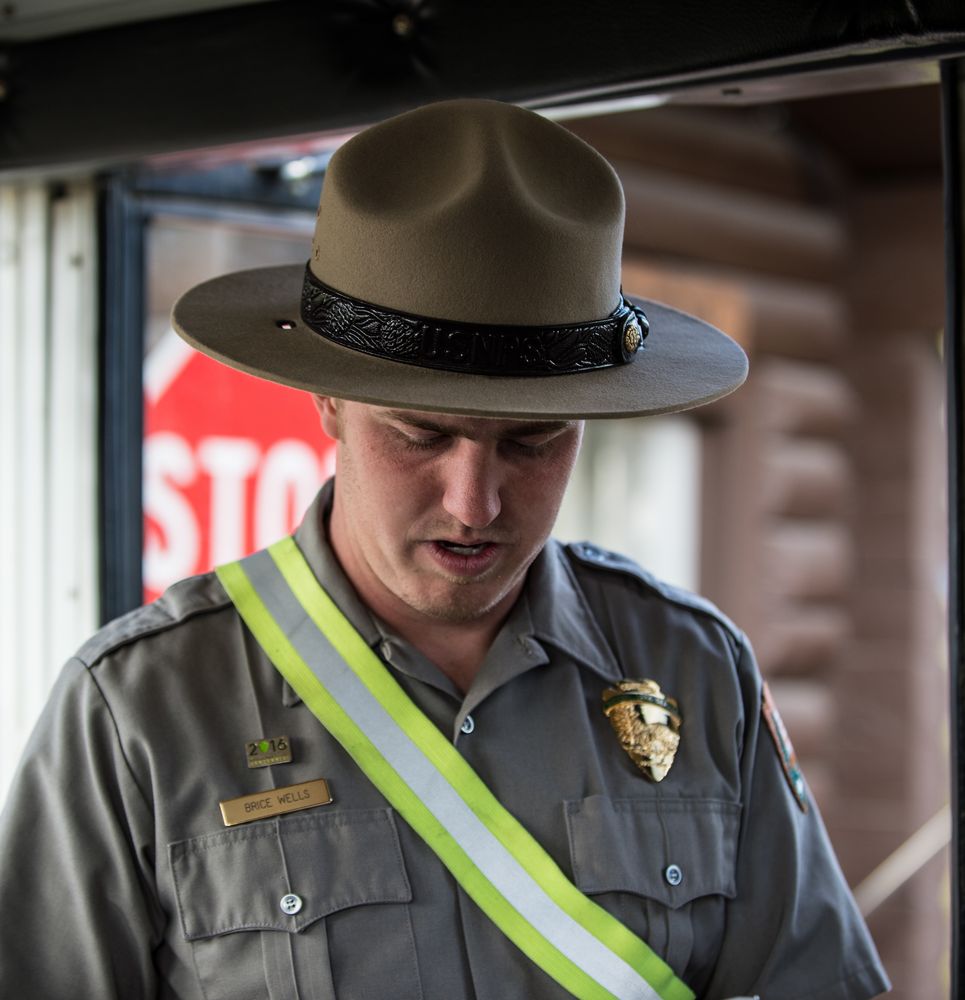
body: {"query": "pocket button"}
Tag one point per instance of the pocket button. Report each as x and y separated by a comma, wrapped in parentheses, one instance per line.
(673, 875)
(290, 904)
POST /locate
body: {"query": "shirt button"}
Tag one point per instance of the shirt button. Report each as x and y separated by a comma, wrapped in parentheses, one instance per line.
(386, 648)
(673, 875)
(468, 725)
(290, 904)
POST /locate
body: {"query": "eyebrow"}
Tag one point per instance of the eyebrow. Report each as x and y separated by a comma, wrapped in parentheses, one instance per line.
(520, 430)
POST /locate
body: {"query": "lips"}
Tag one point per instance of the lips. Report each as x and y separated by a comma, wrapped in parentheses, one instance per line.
(462, 549)
(462, 558)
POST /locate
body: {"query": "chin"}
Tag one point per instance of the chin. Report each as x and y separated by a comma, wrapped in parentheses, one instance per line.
(457, 608)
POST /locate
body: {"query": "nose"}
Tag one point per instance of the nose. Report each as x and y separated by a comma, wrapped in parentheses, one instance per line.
(472, 481)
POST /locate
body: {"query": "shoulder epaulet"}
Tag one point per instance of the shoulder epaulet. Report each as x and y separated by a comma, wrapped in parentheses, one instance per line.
(592, 555)
(196, 595)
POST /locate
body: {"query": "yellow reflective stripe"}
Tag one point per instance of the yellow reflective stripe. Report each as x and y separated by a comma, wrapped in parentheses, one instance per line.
(329, 619)
(287, 660)
(515, 840)
(398, 793)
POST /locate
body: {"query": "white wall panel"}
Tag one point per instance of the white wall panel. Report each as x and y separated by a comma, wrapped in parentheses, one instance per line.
(636, 490)
(48, 428)
(72, 423)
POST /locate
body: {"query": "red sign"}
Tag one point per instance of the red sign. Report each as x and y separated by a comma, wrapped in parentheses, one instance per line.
(231, 462)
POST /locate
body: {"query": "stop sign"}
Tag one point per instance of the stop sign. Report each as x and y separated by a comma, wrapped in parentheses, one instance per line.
(230, 462)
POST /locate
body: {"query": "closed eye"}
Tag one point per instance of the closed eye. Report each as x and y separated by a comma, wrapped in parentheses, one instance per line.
(527, 446)
(534, 443)
(422, 442)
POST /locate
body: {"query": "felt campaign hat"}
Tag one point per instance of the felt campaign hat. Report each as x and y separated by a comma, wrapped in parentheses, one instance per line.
(466, 259)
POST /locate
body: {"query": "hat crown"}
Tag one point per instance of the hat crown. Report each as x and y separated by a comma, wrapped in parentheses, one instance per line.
(490, 238)
(473, 211)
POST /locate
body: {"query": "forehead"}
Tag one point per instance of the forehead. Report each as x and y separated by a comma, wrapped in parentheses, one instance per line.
(460, 425)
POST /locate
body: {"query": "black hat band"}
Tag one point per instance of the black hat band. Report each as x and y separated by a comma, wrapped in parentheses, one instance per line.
(472, 348)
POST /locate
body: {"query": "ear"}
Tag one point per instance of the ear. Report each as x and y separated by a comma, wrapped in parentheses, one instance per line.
(327, 407)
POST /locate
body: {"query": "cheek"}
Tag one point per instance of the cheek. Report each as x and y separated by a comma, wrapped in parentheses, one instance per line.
(369, 485)
(383, 464)
(388, 457)
(403, 484)
(539, 493)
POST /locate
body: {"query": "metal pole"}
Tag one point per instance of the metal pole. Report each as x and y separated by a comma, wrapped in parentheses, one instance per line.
(122, 401)
(953, 136)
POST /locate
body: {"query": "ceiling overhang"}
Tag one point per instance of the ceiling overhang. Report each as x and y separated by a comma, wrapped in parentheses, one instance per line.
(296, 67)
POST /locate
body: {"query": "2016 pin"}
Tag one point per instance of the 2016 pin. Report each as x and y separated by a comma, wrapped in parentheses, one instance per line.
(268, 750)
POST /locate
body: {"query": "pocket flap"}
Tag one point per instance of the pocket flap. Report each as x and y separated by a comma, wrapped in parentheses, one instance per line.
(670, 850)
(235, 880)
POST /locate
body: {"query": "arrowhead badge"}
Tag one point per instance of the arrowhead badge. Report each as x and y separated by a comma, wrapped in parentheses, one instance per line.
(647, 723)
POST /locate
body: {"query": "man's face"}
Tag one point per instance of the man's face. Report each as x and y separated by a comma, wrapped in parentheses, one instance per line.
(440, 516)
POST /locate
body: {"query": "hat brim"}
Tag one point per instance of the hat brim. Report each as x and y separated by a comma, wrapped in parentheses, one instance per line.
(235, 319)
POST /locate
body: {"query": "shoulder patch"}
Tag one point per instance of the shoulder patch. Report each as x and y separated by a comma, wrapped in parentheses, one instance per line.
(593, 555)
(785, 750)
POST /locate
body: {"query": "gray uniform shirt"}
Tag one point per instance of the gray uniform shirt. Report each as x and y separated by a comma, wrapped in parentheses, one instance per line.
(118, 878)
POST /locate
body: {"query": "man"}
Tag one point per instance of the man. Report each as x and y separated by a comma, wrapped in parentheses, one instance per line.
(422, 751)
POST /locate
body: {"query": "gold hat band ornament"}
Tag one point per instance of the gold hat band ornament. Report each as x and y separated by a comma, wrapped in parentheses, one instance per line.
(647, 724)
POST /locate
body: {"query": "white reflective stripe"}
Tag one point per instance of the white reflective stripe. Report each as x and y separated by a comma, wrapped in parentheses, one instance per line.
(505, 873)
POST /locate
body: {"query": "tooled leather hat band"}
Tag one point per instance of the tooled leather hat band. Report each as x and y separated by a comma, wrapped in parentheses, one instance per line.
(478, 349)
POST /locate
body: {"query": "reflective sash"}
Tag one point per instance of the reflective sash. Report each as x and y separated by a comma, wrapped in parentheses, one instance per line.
(422, 775)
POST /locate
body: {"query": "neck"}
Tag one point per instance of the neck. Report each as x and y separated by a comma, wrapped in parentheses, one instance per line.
(456, 647)
(458, 650)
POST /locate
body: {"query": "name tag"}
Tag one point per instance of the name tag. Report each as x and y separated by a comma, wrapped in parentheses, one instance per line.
(275, 801)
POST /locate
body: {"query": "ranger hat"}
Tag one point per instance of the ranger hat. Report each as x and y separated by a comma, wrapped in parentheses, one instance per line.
(466, 259)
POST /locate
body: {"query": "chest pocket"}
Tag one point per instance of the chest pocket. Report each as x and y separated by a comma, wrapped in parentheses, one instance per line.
(297, 907)
(663, 866)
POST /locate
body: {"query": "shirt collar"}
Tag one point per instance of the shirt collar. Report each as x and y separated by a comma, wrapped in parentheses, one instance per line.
(551, 610)
(561, 616)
